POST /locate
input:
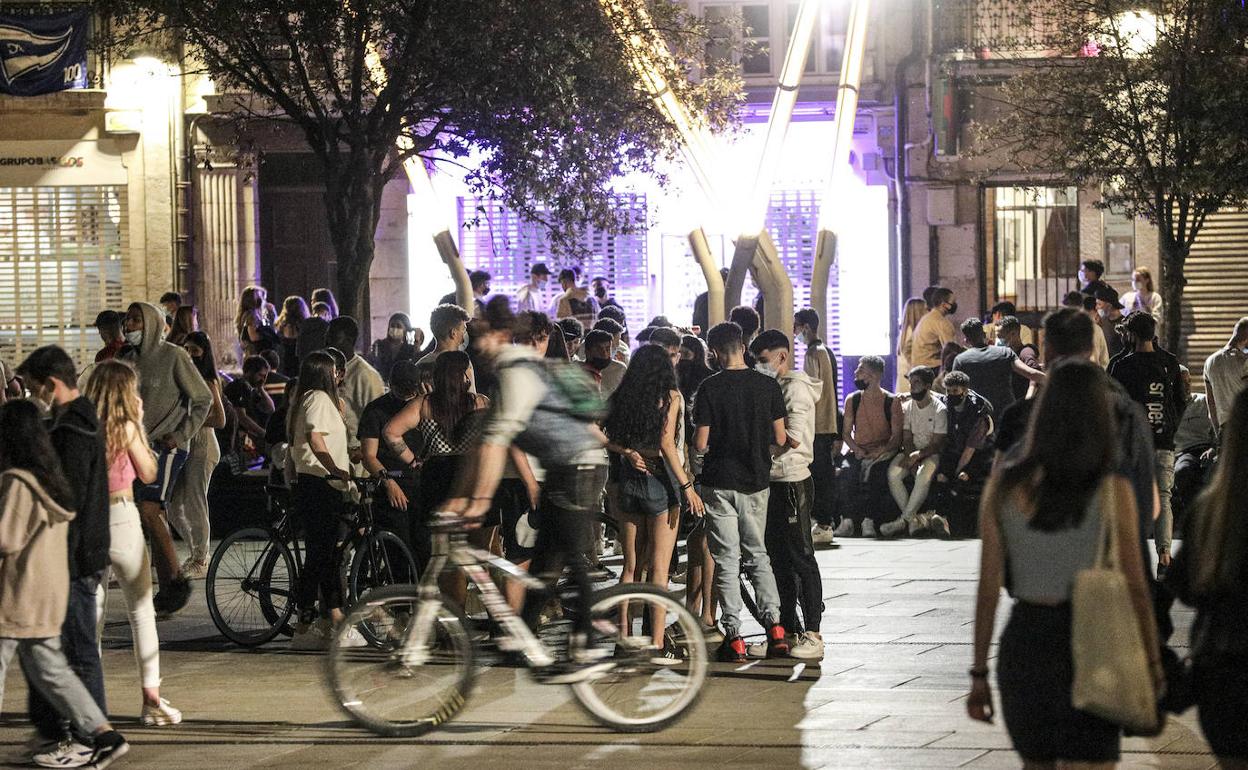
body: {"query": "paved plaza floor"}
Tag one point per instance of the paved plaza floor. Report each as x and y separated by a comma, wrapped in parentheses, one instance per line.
(889, 694)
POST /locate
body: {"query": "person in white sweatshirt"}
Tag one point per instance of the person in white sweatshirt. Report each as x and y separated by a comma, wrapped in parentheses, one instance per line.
(791, 500)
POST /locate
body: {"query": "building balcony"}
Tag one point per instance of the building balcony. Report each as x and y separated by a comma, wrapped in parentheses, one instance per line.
(995, 29)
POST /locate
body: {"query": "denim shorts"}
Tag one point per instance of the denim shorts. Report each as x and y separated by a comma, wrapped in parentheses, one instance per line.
(169, 464)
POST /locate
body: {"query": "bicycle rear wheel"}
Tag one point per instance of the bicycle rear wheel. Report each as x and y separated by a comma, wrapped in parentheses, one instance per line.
(379, 560)
(249, 587)
(419, 676)
(646, 690)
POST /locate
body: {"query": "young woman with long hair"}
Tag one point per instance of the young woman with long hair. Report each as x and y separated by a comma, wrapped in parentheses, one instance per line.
(188, 512)
(645, 426)
(114, 389)
(694, 367)
(255, 330)
(185, 321)
(294, 312)
(1143, 297)
(395, 347)
(1210, 573)
(1041, 516)
(913, 312)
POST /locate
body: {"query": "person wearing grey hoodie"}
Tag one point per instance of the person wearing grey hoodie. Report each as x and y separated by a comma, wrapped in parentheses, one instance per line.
(791, 501)
(176, 401)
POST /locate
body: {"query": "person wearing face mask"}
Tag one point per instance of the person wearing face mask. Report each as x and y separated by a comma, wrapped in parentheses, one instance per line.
(531, 295)
(820, 364)
(176, 401)
(874, 424)
(188, 511)
(397, 346)
(602, 292)
(1090, 272)
(598, 349)
(965, 458)
(934, 331)
(991, 367)
(449, 325)
(1109, 315)
(790, 502)
(923, 437)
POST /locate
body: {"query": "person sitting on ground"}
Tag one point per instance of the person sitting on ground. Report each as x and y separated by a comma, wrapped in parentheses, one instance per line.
(923, 437)
(874, 423)
(966, 457)
(791, 501)
(991, 367)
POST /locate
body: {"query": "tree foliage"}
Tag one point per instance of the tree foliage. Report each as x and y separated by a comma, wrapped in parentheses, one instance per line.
(540, 94)
(1147, 100)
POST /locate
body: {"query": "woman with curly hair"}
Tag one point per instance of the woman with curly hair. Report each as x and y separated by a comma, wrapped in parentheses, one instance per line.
(645, 427)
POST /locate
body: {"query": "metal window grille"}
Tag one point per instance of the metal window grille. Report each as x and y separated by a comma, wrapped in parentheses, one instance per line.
(62, 260)
(996, 25)
(1034, 241)
(503, 244)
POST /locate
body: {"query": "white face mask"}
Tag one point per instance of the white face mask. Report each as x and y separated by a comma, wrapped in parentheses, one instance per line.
(135, 338)
(766, 369)
(801, 337)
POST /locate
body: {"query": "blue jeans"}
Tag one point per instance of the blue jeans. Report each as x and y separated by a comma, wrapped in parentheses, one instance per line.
(736, 527)
(46, 669)
(79, 645)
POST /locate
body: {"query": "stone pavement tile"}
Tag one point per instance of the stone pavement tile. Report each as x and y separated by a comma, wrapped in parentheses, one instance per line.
(877, 758)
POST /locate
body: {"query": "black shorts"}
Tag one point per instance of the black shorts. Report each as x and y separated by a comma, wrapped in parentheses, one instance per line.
(1034, 674)
(519, 528)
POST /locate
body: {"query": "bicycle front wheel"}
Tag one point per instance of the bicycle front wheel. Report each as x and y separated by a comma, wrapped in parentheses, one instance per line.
(649, 688)
(249, 587)
(379, 560)
(417, 678)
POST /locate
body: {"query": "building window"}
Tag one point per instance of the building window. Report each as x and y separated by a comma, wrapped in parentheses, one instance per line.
(1033, 241)
(756, 23)
(62, 260)
(1119, 252)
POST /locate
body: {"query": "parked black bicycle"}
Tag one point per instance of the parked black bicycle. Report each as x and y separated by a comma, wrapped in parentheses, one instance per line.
(254, 572)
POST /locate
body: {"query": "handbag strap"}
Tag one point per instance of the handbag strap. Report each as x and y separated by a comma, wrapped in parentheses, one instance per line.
(1107, 540)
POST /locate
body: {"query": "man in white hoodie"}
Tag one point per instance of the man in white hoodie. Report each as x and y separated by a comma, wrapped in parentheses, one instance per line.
(791, 501)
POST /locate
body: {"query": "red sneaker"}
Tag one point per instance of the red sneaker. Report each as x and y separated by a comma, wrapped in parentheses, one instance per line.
(732, 651)
(777, 644)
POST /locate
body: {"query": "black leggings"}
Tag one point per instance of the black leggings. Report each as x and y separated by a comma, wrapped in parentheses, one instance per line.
(793, 554)
(318, 505)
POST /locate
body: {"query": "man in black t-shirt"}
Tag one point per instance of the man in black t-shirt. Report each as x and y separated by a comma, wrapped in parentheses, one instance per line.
(991, 368)
(393, 509)
(740, 417)
(1153, 379)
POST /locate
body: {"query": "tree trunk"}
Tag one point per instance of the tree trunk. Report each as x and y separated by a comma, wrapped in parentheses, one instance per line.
(353, 207)
(1173, 281)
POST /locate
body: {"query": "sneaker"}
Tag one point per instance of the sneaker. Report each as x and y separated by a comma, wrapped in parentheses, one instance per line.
(66, 753)
(824, 534)
(601, 573)
(868, 528)
(109, 747)
(732, 651)
(195, 569)
(807, 645)
(37, 744)
(312, 638)
(161, 715)
(680, 577)
(670, 655)
(172, 596)
(757, 650)
(713, 634)
(777, 642)
(846, 529)
(353, 638)
(894, 528)
(939, 526)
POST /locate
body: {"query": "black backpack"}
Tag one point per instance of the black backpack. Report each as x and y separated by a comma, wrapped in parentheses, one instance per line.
(856, 399)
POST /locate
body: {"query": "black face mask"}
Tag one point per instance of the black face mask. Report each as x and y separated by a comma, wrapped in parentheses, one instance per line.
(861, 384)
(600, 293)
(953, 308)
(954, 401)
(598, 363)
(918, 395)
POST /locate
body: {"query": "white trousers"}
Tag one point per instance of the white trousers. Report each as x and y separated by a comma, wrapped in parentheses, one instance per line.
(910, 502)
(188, 510)
(127, 554)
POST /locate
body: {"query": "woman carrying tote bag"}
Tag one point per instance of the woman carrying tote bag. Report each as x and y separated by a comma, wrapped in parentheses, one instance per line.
(1045, 518)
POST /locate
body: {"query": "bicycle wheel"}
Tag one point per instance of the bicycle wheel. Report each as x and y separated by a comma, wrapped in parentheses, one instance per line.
(645, 691)
(379, 560)
(418, 678)
(249, 585)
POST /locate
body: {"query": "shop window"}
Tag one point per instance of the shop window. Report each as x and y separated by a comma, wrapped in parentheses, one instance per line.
(1033, 244)
(62, 256)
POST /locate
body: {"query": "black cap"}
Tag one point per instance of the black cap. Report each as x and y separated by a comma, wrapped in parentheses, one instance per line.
(1108, 295)
(539, 268)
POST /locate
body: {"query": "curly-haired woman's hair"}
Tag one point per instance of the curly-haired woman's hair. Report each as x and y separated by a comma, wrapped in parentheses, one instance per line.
(26, 445)
(557, 346)
(250, 309)
(294, 311)
(114, 389)
(638, 407)
(450, 400)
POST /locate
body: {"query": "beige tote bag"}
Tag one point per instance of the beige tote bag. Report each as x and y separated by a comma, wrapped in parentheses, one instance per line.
(1112, 678)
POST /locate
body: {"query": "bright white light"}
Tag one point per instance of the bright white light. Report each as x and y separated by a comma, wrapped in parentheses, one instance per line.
(861, 228)
(1137, 31)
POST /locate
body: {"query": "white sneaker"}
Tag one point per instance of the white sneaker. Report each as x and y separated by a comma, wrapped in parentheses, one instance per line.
(892, 528)
(195, 569)
(162, 715)
(756, 650)
(846, 529)
(823, 534)
(313, 638)
(807, 645)
(67, 753)
(868, 528)
(352, 638)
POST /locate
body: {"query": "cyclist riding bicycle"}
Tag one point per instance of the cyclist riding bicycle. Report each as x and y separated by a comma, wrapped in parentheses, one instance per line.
(547, 410)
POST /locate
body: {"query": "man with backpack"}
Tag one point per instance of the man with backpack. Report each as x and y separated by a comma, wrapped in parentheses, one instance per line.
(873, 432)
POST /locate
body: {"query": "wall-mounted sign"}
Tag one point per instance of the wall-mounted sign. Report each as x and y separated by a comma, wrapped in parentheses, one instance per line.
(41, 164)
(43, 54)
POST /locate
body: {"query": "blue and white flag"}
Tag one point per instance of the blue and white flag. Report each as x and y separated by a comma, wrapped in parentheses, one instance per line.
(42, 54)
